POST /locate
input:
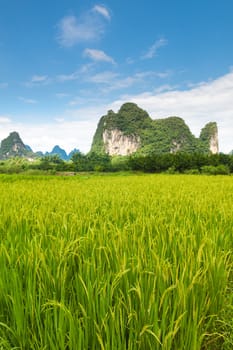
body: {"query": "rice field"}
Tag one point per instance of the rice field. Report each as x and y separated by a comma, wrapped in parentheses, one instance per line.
(116, 262)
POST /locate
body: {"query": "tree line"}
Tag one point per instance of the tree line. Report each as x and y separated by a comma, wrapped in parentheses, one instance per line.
(180, 162)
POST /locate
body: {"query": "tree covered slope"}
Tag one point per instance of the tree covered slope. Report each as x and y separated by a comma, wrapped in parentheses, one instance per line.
(132, 129)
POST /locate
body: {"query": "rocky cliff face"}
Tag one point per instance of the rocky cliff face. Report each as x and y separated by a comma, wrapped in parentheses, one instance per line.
(132, 130)
(116, 143)
(209, 137)
(214, 148)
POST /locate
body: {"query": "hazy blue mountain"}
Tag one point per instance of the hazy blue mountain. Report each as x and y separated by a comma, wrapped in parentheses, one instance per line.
(57, 150)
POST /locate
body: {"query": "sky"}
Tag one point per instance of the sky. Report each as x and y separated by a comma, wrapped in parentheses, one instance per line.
(65, 63)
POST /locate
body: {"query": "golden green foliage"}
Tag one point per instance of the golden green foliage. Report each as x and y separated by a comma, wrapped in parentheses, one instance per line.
(116, 262)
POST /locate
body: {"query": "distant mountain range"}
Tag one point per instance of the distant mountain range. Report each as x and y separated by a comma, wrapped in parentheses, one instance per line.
(13, 146)
(57, 150)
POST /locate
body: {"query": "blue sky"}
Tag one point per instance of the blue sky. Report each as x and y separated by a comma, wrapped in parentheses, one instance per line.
(64, 63)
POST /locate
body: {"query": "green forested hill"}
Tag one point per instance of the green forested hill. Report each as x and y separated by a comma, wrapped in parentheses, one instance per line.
(156, 136)
(13, 146)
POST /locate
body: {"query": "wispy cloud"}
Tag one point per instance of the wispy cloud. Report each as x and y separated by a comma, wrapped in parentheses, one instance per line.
(152, 74)
(102, 10)
(114, 81)
(37, 80)
(106, 77)
(89, 26)
(73, 31)
(152, 51)
(165, 88)
(27, 100)
(68, 77)
(84, 101)
(3, 85)
(77, 74)
(98, 55)
(129, 60)
(4, 119)
(61, 94)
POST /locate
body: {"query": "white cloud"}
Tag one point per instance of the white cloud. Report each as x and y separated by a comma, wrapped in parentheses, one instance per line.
(27, 100)
(82, 71)
(102, 11)
(210, 101)
(39, 78)
(84, 101)
(129, 60)
(106, 77)
(165, 88)
(72, 31)
(61, 94)
(67, 134)
(43, 137)
(123, 83)
(72, 129)
(152, 51)
(68, 77)
(116, 82)
(98, 55)
(88, 26)
(152, 74)
(4, 119)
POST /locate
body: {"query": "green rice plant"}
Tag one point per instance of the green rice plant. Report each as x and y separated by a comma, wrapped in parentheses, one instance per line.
(116, 262)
